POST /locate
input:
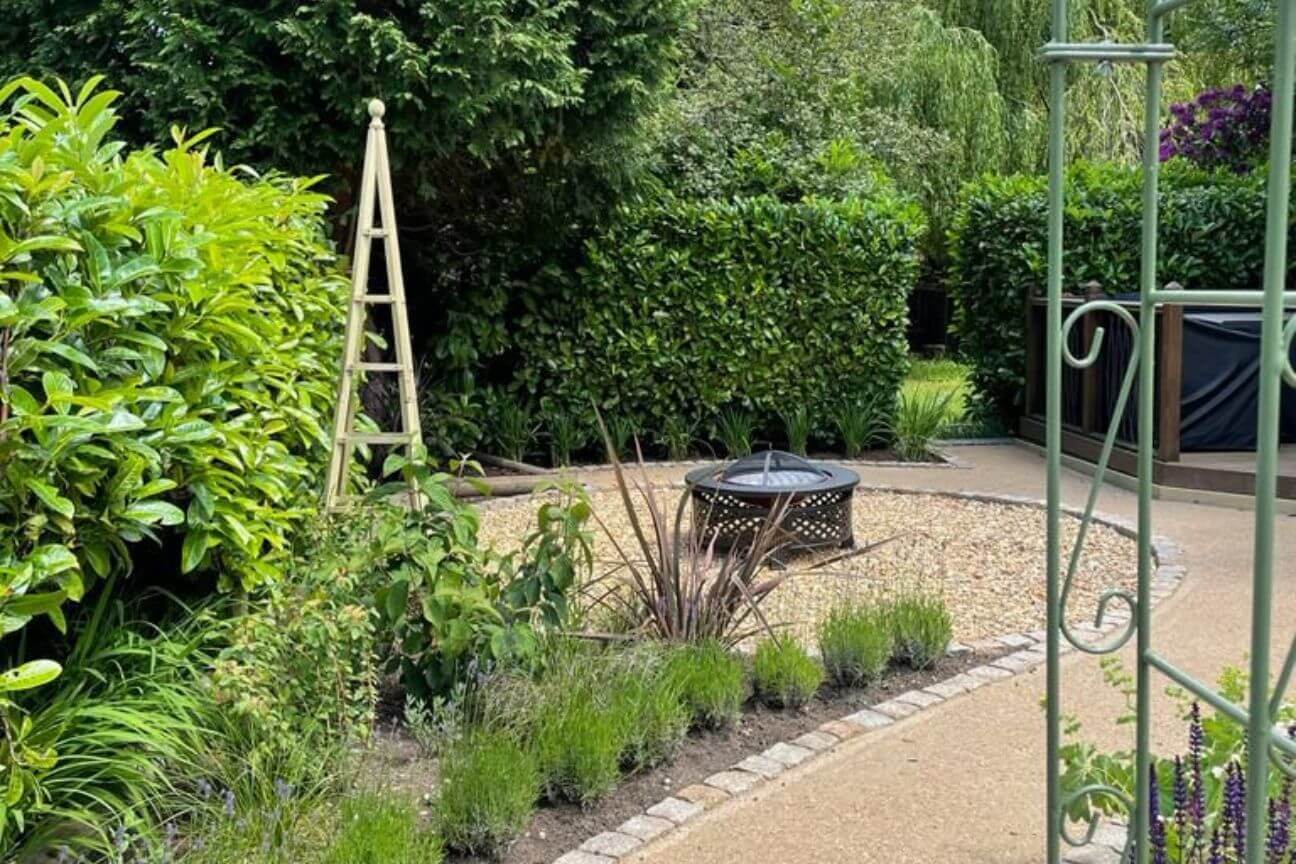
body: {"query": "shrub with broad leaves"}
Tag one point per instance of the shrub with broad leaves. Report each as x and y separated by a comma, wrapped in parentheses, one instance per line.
(168, 335)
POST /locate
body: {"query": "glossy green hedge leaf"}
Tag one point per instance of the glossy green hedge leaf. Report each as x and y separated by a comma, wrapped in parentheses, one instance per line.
(50, 497)
(29, 675)
(154, 513)
(193, 550)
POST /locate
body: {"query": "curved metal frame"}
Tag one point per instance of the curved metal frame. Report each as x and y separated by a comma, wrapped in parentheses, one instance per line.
(1260, 712)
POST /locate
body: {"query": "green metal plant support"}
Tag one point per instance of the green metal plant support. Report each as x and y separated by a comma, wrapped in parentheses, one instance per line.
(1278, 750)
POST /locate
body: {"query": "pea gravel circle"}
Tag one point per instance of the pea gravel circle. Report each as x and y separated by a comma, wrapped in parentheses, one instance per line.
(987, 559)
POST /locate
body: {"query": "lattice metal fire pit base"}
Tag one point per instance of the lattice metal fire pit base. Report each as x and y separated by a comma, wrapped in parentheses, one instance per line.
(731, 503)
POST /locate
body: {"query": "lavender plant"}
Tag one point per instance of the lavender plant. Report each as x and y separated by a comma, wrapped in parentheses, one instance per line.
(1224, 127)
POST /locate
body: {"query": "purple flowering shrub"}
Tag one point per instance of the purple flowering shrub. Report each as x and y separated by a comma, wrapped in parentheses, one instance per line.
(1224, 127)
(1198, 802)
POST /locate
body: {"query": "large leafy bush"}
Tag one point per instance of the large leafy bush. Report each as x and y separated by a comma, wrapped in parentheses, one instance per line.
(683, 307)
(1211, 233)
(167, 331)
(170, 330)
(513, 125)
(790, 99)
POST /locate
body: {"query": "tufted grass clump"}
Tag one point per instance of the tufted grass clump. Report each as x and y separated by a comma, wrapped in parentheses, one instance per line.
(380, 829)
(736, 427)
(711, 682)
(856, 641)
(920, 418)
(861, 423)
(651, 709)
(785, 676)
(922, 627)
(489, 786)
(796, 426)
(578, 737)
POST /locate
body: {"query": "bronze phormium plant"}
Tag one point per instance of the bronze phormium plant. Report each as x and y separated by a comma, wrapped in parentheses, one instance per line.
(680, 588)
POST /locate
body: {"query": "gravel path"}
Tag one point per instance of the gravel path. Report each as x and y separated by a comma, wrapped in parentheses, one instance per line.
(986, 560)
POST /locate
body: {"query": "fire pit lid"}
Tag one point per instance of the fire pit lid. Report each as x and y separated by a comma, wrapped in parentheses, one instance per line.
(773, 472)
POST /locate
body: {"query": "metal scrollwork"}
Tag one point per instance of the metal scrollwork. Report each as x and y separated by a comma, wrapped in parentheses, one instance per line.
(1100, 472)
(1091, 827)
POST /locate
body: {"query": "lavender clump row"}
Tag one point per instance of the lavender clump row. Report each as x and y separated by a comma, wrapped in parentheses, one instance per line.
(1224, 127)
(1190, 833)
(129, 848)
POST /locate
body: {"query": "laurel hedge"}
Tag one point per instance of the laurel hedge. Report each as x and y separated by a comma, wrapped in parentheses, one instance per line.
(684, 307)
(1211, 236)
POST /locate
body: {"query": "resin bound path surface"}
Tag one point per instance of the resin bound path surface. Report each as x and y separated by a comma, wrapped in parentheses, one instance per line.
(963, 782)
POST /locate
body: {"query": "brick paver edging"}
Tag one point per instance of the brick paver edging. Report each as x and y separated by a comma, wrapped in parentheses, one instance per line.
(692, 801)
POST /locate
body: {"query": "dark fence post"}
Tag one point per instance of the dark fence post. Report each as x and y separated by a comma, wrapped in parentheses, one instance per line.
(1170, 380)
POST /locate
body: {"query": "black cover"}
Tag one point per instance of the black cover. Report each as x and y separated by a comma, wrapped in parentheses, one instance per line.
(1221, 381)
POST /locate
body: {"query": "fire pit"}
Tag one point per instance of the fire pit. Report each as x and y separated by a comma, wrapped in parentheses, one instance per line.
(731, 503)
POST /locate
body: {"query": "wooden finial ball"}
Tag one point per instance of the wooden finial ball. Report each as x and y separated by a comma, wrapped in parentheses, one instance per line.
(376, 109)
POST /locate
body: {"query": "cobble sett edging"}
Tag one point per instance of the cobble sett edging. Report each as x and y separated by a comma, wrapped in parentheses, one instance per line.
(751, 773)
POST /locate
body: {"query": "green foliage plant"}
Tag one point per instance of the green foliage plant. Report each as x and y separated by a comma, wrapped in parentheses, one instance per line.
(922, 626)
(920, 417)
(168, 331)
(489, 787)
(171, 329)
(677, 436)
(861, 423)
(578, 736)
(566, 435)
(515, 428)
(856, 642)
(651, 708)
(784, 675)
(655, 317)
(711, 681)
(997, 242)
(363, 827)
(1209, 775)
(437, 724)
(454, 607)
(624, 432)
(797, 424)
(735, 427)
(375, 828)
(301, 661)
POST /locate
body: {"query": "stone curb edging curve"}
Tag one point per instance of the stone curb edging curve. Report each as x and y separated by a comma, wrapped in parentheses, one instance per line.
(632, 836)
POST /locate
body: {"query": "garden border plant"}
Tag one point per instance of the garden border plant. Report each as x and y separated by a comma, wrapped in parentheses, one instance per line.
(1026, 655)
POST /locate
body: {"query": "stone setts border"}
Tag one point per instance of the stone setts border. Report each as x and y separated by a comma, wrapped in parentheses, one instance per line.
(692, 801)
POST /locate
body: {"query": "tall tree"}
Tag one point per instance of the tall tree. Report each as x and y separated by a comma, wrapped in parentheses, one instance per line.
(513, 123)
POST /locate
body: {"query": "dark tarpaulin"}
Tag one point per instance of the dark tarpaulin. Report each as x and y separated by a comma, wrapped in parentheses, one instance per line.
(1221, 381)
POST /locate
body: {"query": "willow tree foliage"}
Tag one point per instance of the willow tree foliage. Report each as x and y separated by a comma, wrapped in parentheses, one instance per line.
(817, 95)
(1224, 42)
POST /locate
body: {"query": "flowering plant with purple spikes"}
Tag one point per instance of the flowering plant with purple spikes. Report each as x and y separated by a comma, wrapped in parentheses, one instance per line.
(1198, 799)
(1224, 127)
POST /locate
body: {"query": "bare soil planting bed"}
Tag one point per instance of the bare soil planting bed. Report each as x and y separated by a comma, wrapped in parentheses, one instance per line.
(985, 559)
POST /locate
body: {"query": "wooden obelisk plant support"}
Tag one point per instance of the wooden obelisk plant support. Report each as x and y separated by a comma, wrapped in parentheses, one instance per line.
(375, 182)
